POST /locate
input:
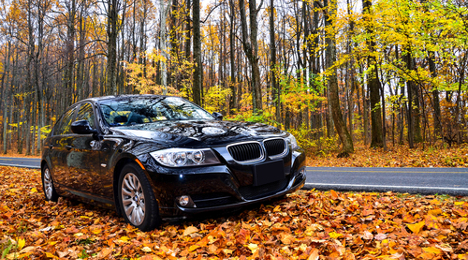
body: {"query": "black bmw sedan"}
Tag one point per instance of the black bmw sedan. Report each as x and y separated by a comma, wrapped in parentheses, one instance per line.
(160, 156)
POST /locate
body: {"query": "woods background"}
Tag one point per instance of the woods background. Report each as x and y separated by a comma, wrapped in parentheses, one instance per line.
(381, 72)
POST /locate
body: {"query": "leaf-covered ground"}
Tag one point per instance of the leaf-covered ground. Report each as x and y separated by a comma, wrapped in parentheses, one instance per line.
(304, 225)
(398, 156)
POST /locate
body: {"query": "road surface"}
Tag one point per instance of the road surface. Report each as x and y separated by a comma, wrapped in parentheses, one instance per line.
(33, 163)
(452, 181)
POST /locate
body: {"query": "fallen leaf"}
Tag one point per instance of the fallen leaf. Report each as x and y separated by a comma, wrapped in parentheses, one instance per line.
(416, 227)
(314, 254)
(190, 230)
(146, 249)
(253, 248)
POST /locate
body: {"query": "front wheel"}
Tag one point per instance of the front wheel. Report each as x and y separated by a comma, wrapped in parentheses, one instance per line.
(48, 185)
(136, 199)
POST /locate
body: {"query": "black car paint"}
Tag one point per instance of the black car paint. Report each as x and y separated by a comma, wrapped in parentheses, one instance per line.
(88, 165)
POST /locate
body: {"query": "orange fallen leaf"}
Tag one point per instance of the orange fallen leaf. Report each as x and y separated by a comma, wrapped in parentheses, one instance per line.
(314, 255)
(416, 227)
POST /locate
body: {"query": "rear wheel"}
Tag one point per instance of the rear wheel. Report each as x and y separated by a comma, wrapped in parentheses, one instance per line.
(136, 199)
(48, 185)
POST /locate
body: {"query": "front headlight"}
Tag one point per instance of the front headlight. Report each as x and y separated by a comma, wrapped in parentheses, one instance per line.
(292, 141)
(179, 157)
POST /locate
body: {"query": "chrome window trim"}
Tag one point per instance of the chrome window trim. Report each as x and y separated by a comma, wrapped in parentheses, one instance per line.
(281, 155)
(262, 152)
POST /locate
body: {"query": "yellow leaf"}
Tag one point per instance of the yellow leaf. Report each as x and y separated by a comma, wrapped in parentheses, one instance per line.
(459, 203)
(334, 235)
(253, 248)
(432, 250)
(97, 231)
(190, 230)
(277, 209)
(49, 255)
(21, 243)
(124, 238)
(416, 228)
(33, 190)
(193, 247)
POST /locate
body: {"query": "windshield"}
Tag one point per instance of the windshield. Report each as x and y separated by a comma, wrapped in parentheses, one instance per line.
(142, 110)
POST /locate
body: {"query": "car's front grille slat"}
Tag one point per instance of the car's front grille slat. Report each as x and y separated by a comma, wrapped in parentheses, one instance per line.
(245, 151)
(275, 147)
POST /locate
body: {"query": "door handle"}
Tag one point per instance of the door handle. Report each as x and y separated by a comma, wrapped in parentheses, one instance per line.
(68, 147)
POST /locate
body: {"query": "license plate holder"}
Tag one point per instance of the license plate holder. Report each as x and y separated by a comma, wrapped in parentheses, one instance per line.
(268, 172)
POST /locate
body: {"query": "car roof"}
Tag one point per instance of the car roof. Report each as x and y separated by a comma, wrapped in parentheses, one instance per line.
(126, 96)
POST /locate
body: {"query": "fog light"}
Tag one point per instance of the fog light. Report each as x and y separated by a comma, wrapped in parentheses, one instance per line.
(186, 201)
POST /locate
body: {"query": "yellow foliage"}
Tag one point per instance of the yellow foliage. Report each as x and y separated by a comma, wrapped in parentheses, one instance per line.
(216, 98)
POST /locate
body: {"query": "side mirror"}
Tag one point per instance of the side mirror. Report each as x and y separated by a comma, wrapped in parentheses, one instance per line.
(217, 115)
(82, 127)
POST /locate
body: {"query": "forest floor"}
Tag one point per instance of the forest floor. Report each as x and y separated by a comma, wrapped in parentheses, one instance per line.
(398, 156)
(304, 225)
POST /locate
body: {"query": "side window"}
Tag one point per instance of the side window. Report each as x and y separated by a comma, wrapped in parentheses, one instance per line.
(66, 122)
(86, 112)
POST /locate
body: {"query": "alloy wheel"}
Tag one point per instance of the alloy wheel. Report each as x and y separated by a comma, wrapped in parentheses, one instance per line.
(133, 199)
(48, 185)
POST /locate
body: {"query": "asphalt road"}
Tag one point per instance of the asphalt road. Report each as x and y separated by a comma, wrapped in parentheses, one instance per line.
(21, 162)
(452, 181)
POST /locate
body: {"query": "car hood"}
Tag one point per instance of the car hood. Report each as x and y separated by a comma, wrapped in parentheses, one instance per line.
(209, 132)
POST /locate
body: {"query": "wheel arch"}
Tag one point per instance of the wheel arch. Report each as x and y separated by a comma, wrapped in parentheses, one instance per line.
(43, 163)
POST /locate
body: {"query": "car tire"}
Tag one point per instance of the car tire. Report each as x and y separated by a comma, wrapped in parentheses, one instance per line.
(136, 199)
(48, 185)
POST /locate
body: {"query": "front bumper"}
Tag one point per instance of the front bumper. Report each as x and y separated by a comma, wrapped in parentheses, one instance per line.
(296, 183)
(219, 187)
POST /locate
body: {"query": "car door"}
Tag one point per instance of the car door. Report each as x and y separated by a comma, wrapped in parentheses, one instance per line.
(60, 146)
(83, 159)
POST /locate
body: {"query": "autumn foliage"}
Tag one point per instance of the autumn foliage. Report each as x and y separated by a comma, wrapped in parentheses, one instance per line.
(304, 225)
(396, 156)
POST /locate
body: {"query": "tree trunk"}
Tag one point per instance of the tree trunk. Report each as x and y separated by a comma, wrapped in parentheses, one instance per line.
(198, 70)
(409, 85)
(70, 51)
(5, 98)
(333, 98)
(435, 97)
(232, 61)
(373, 83)
(251, 51)
(112, 33)
(274, 84)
